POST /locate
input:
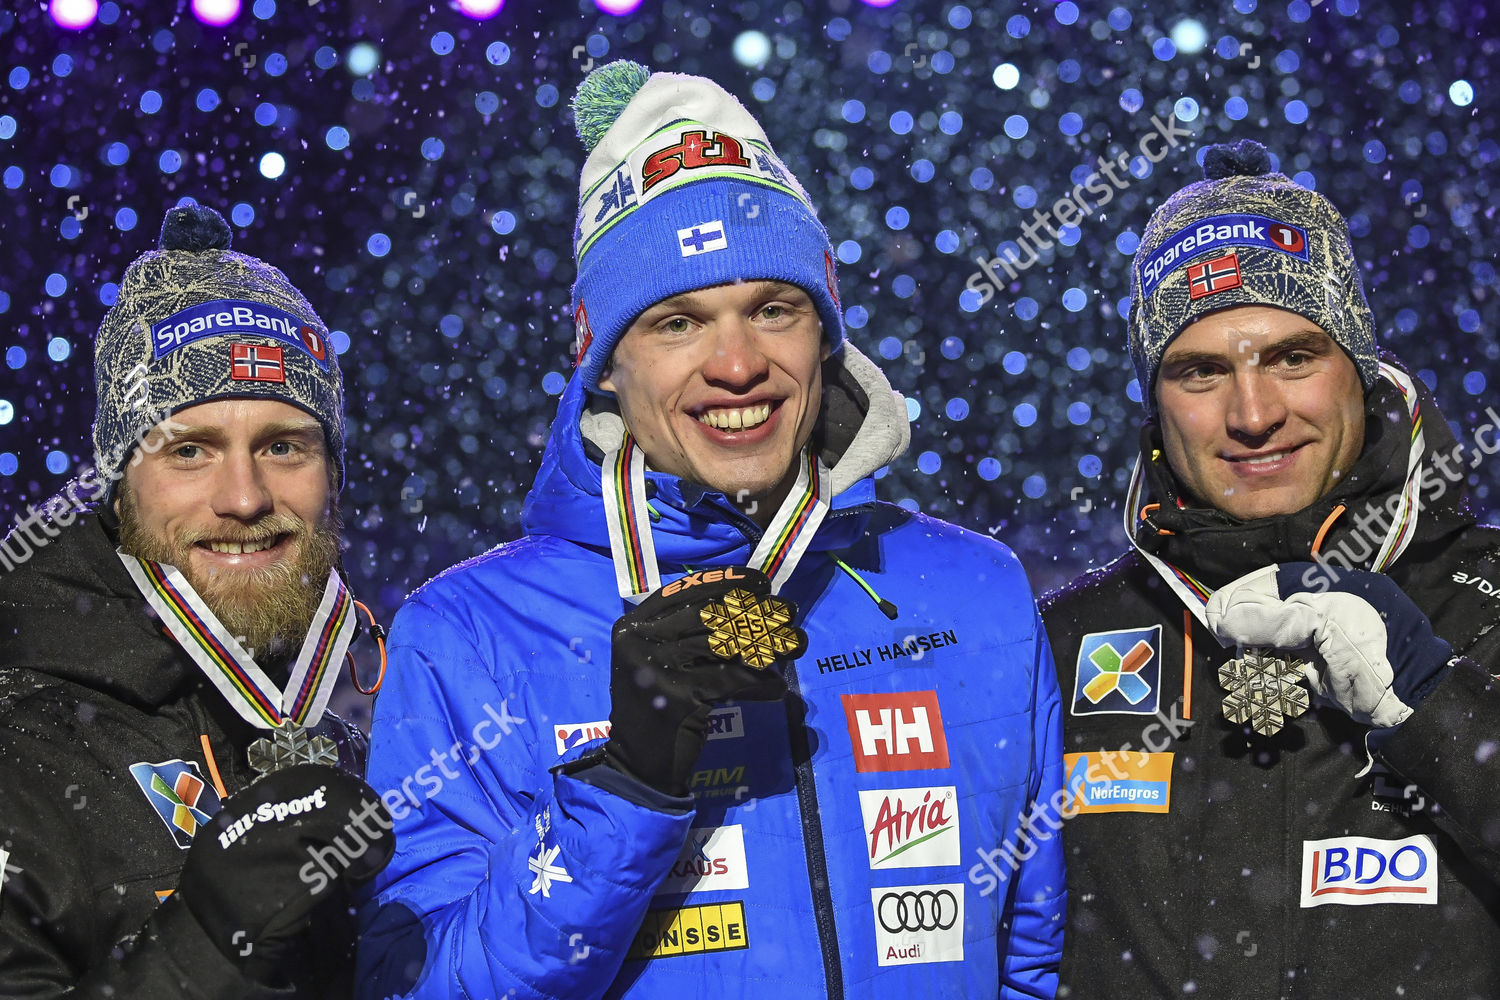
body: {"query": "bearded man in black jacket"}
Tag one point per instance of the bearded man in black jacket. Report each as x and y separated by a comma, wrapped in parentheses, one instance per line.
(163, 644)
(1281, 739)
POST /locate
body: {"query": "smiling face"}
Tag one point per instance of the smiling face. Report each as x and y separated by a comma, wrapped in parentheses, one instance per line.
(1261, 411)
(721, 386)
(237, 494)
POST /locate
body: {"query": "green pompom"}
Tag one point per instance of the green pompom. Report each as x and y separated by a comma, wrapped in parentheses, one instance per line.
(602, 97)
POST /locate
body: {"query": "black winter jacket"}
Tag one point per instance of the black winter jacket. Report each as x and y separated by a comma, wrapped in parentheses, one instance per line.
(1228, 864)
(92, 686)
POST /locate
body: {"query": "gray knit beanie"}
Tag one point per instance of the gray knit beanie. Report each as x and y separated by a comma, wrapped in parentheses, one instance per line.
(195, 322)
(1245, 236)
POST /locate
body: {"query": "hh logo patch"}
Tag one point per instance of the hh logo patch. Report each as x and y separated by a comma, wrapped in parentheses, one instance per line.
(1118, 673)
(180, 796)
(571, 734)
(726, 723)
(896, 732)
(916, 924)
(713, 858)
(1214, 276)
(706, 237)
(690, 930)
(910, 827)
(1362, 871)
(256, 363)
(1110, 781)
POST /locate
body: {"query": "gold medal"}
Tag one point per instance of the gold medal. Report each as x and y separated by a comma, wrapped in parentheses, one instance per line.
(759, 630)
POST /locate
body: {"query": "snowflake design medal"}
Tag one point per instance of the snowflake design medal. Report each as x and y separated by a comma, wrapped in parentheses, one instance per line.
(1264, 689)
(289, 745)
(759, 630)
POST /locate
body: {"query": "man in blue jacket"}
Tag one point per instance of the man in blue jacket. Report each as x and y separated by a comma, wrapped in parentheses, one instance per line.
(619, 760)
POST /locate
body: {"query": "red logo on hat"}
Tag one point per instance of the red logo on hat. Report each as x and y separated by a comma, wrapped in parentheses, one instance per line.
(585, 333)
(1213, 276)
(256, 363)
(316, 345)
(693, 151)
(833, 285)
(1289, 238)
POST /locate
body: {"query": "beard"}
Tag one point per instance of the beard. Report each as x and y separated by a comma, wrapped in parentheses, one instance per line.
(268, 610)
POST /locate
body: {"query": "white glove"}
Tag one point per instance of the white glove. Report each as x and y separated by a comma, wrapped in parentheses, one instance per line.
(1342, 636)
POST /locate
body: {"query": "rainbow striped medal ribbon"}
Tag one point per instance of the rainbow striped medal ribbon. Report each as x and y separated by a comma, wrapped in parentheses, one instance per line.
(287, 711)
(780, 549)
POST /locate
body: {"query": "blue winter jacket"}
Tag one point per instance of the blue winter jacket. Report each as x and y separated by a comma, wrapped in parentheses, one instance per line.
(835, 843)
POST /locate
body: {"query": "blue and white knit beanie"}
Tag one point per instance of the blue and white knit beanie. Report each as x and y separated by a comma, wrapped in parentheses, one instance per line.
(681, 191)
(1245, 235)
(195, 322)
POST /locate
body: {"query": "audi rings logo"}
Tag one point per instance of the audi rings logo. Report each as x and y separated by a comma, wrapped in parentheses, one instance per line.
(926, 910)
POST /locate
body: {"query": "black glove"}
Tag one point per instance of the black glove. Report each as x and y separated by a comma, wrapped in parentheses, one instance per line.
(712, 636)
(274, 851)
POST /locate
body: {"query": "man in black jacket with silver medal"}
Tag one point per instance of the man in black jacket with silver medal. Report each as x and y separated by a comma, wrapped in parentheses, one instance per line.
(1283, 715)
(179, 815)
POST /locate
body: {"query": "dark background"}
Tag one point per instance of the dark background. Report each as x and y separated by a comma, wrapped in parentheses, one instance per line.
(438, 240)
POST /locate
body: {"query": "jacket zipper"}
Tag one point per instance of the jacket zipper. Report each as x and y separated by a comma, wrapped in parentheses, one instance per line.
(812, 836)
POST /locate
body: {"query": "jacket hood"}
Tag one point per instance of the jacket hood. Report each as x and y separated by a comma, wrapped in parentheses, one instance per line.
(861, 427)
(70, 611)
(1217, 547)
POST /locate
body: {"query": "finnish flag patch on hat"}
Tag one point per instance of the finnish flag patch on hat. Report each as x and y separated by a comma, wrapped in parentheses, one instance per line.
(705, 237)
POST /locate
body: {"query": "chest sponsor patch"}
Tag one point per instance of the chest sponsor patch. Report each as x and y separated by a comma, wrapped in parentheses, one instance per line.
(910, 827)
(182, 799)
(1363, 871)
(918, 924)
(719, 782)
(1230, 230)
(901, 731)
(233, 317)
(1118, 673)
(690, 930)
(1111, 781)
(713, 858)
(726, 723)
(572, 734)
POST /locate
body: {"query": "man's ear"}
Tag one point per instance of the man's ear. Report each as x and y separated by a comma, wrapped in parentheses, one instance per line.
(607, 378)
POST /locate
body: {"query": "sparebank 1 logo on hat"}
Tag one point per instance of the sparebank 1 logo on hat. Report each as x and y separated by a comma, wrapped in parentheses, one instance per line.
(1235, 230)
(1118, 673)
(233, 317)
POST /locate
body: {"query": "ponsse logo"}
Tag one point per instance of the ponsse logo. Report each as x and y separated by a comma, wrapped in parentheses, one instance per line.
(911, 827)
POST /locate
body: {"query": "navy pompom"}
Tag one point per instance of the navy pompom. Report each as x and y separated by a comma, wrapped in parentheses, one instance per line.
(195, 228)
(1246, 158)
